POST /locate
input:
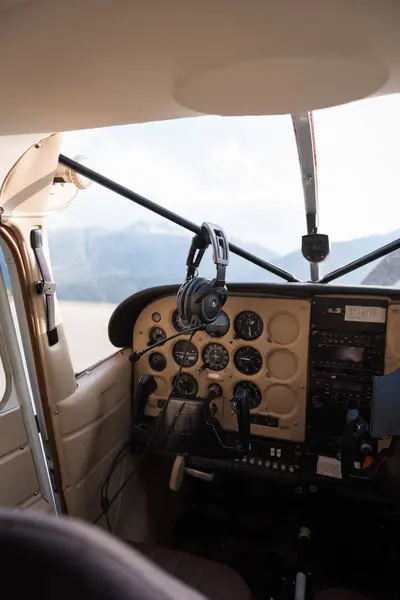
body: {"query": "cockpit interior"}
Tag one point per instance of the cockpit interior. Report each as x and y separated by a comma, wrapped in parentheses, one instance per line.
(244, 437)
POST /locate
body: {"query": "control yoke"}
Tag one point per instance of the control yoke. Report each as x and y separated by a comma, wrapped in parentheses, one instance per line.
(240, 404)
(188, 425)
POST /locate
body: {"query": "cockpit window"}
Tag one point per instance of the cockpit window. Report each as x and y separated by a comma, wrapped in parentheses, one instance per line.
(242, 173)
(359, 183)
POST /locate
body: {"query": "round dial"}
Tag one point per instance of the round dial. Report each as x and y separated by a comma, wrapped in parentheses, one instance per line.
(254, 392)
(156, 334)
(248, 325)
(248, 360)
(185, 349)
(186, 385)
(215, 357)
(157, 361)
(178, 323)
(220, 326)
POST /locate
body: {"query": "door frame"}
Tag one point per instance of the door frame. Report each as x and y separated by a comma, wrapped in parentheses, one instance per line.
(25, 362)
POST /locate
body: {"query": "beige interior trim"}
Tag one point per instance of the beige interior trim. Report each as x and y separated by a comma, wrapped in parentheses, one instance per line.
(90, 426)
(18, 476)
(26, 187)
(392, 355)
(231, 57)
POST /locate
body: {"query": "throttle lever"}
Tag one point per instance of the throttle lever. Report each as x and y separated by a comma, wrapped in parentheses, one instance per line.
(241, 406)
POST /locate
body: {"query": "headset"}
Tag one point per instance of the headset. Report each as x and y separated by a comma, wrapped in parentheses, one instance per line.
(199, 301)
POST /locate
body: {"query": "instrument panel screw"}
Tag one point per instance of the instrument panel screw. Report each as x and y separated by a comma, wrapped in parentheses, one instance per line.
(56, 412)
(388, 356)
(302, 386)
(35, 493)
(21, 447)
(303, 308)
(38, 145)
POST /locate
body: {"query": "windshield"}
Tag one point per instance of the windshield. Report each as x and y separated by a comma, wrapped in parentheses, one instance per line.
(241, 173)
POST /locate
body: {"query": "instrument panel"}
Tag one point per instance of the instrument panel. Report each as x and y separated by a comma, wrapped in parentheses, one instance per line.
(260, 343)
(307, 353)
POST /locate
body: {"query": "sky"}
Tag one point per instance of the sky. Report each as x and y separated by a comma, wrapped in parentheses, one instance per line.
(242, 173)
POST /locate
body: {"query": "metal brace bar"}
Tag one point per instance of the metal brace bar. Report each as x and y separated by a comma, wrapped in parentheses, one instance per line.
(303, 126)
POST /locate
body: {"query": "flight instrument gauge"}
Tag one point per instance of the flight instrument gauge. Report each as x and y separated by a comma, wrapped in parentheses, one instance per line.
(185, 354)
(157, 361)
(186, 385)
(215, 357)
(220, 326)
(156, 334)
(178, 323)
(254, 392)
(248, 325)
(248, 360)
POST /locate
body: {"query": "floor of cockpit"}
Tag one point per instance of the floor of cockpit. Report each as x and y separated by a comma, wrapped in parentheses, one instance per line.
(254, 528)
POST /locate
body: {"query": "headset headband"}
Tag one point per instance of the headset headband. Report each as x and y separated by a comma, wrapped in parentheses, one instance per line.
(214, 235)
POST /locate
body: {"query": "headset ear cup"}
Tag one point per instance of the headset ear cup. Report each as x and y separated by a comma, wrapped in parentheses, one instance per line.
(223, 293)
(180, 299)
(206, 301)
(190, 307)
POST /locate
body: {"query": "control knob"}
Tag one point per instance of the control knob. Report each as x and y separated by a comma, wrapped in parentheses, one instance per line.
(366, 449)
(214, 391)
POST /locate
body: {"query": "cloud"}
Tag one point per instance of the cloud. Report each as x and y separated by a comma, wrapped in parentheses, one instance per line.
(243, 173)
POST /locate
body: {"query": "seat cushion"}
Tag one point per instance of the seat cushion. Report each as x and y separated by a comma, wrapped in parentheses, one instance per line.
(338, 594)
(214, 580)
(77, 560)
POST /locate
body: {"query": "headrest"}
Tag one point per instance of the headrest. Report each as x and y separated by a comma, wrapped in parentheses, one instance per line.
(67, 559)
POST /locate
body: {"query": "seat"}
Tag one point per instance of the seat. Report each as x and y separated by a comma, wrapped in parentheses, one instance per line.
(68, 558)
(338, 594)
(214, 580)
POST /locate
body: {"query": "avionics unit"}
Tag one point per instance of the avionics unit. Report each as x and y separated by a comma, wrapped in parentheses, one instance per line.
(347, 348)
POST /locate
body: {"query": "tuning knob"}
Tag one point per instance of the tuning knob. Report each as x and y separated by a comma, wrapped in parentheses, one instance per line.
(366, 449)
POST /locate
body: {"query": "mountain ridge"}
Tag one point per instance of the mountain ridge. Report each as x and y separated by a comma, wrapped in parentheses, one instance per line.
(100, 265)
(108, 266)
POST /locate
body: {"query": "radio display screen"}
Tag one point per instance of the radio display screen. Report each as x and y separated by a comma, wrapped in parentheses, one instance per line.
(346, 386)
(353, 354)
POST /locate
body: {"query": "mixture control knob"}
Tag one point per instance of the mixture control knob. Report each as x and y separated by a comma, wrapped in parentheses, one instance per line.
(214, 391)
